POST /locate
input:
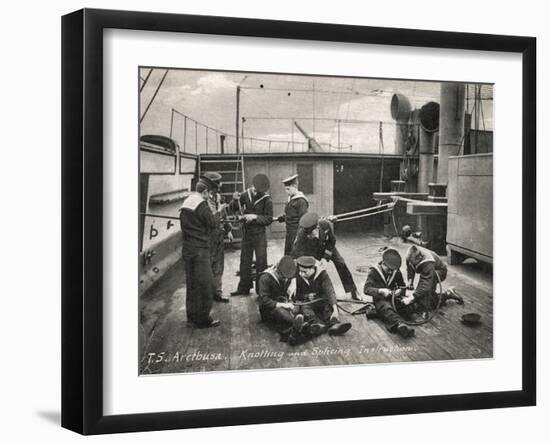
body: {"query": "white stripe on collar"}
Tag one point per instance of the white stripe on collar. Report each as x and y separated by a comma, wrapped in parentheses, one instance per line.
(271, 272)
(380, 272)
(192, 201)
(388, 281)
(426, 260)
(299, 194)
(319, 268)
(260, 199)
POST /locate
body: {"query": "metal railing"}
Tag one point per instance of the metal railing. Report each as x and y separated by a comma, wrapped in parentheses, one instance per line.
(333, 135)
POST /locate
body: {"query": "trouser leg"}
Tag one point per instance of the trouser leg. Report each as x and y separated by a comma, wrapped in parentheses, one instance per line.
(289, 238)
(309, 314)
(343, 271)
(281, 319)
(260, 250)
(442, 274)
(316, 321)
(430, 301)
(387, 313)
(217, 256)
(204, 287)
(247, 251)
(190, 297)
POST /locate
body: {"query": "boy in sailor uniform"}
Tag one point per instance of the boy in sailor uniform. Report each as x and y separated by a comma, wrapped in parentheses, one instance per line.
(315, 293)
(275, 288)
(257, 206)
(431, 270)
(316, 238)
(382, 279)
(296, 206)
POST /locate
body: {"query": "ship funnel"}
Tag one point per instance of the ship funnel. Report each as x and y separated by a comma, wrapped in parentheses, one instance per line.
(451, 135)
(429, 125)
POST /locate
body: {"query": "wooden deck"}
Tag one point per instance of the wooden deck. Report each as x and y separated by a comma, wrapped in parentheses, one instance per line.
(169, 345)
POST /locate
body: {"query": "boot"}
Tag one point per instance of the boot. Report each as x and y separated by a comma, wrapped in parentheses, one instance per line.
(371, 311)
(316, 329)
(240, 291)
(404, 331)
(339, 328)
(219, 297)
(296, 336)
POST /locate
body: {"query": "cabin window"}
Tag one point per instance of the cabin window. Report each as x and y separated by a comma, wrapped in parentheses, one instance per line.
(305, 171)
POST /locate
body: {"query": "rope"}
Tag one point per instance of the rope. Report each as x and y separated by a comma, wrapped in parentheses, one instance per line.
(363, 215)
(344, 309)
(341, 217)
(371, 208)
(306, 303)
(432, 312)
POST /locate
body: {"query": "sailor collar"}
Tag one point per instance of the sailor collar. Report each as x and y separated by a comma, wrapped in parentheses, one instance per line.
(271, 271)
(387, 281)
(298, 195)
(192, 201)
(430, 259)
(319, 269)
(251, 197)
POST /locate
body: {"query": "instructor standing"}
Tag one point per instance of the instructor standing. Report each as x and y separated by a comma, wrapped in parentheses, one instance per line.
(197, 223)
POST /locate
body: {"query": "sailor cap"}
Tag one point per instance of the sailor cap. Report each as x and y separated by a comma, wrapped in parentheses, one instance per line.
(306, 261)
(309, 220)
(289, 181)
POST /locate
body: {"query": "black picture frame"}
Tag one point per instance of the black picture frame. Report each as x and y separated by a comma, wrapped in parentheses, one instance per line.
(82, 220)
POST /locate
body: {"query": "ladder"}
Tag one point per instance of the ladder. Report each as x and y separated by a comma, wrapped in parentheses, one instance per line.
(230, 167)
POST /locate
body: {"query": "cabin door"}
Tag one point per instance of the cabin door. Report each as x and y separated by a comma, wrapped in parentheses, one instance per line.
(355, 181)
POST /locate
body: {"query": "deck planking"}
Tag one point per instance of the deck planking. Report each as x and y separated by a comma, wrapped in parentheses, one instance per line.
(243, 342)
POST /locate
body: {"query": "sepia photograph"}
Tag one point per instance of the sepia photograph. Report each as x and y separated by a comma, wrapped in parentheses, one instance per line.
(295, 220)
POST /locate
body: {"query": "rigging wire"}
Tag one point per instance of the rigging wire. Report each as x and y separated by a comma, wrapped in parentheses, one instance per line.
(146, 79)
(154, 95)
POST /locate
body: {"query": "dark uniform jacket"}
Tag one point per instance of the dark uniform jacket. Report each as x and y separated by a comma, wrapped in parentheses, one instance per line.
(378, 279)
(296, 206)
(272, 289)
(318, 286)
(426, 263)
(322, 247)
(259, 204)
(196, 221)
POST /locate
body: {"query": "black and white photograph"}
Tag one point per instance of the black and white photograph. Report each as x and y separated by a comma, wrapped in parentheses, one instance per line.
(294, 220)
